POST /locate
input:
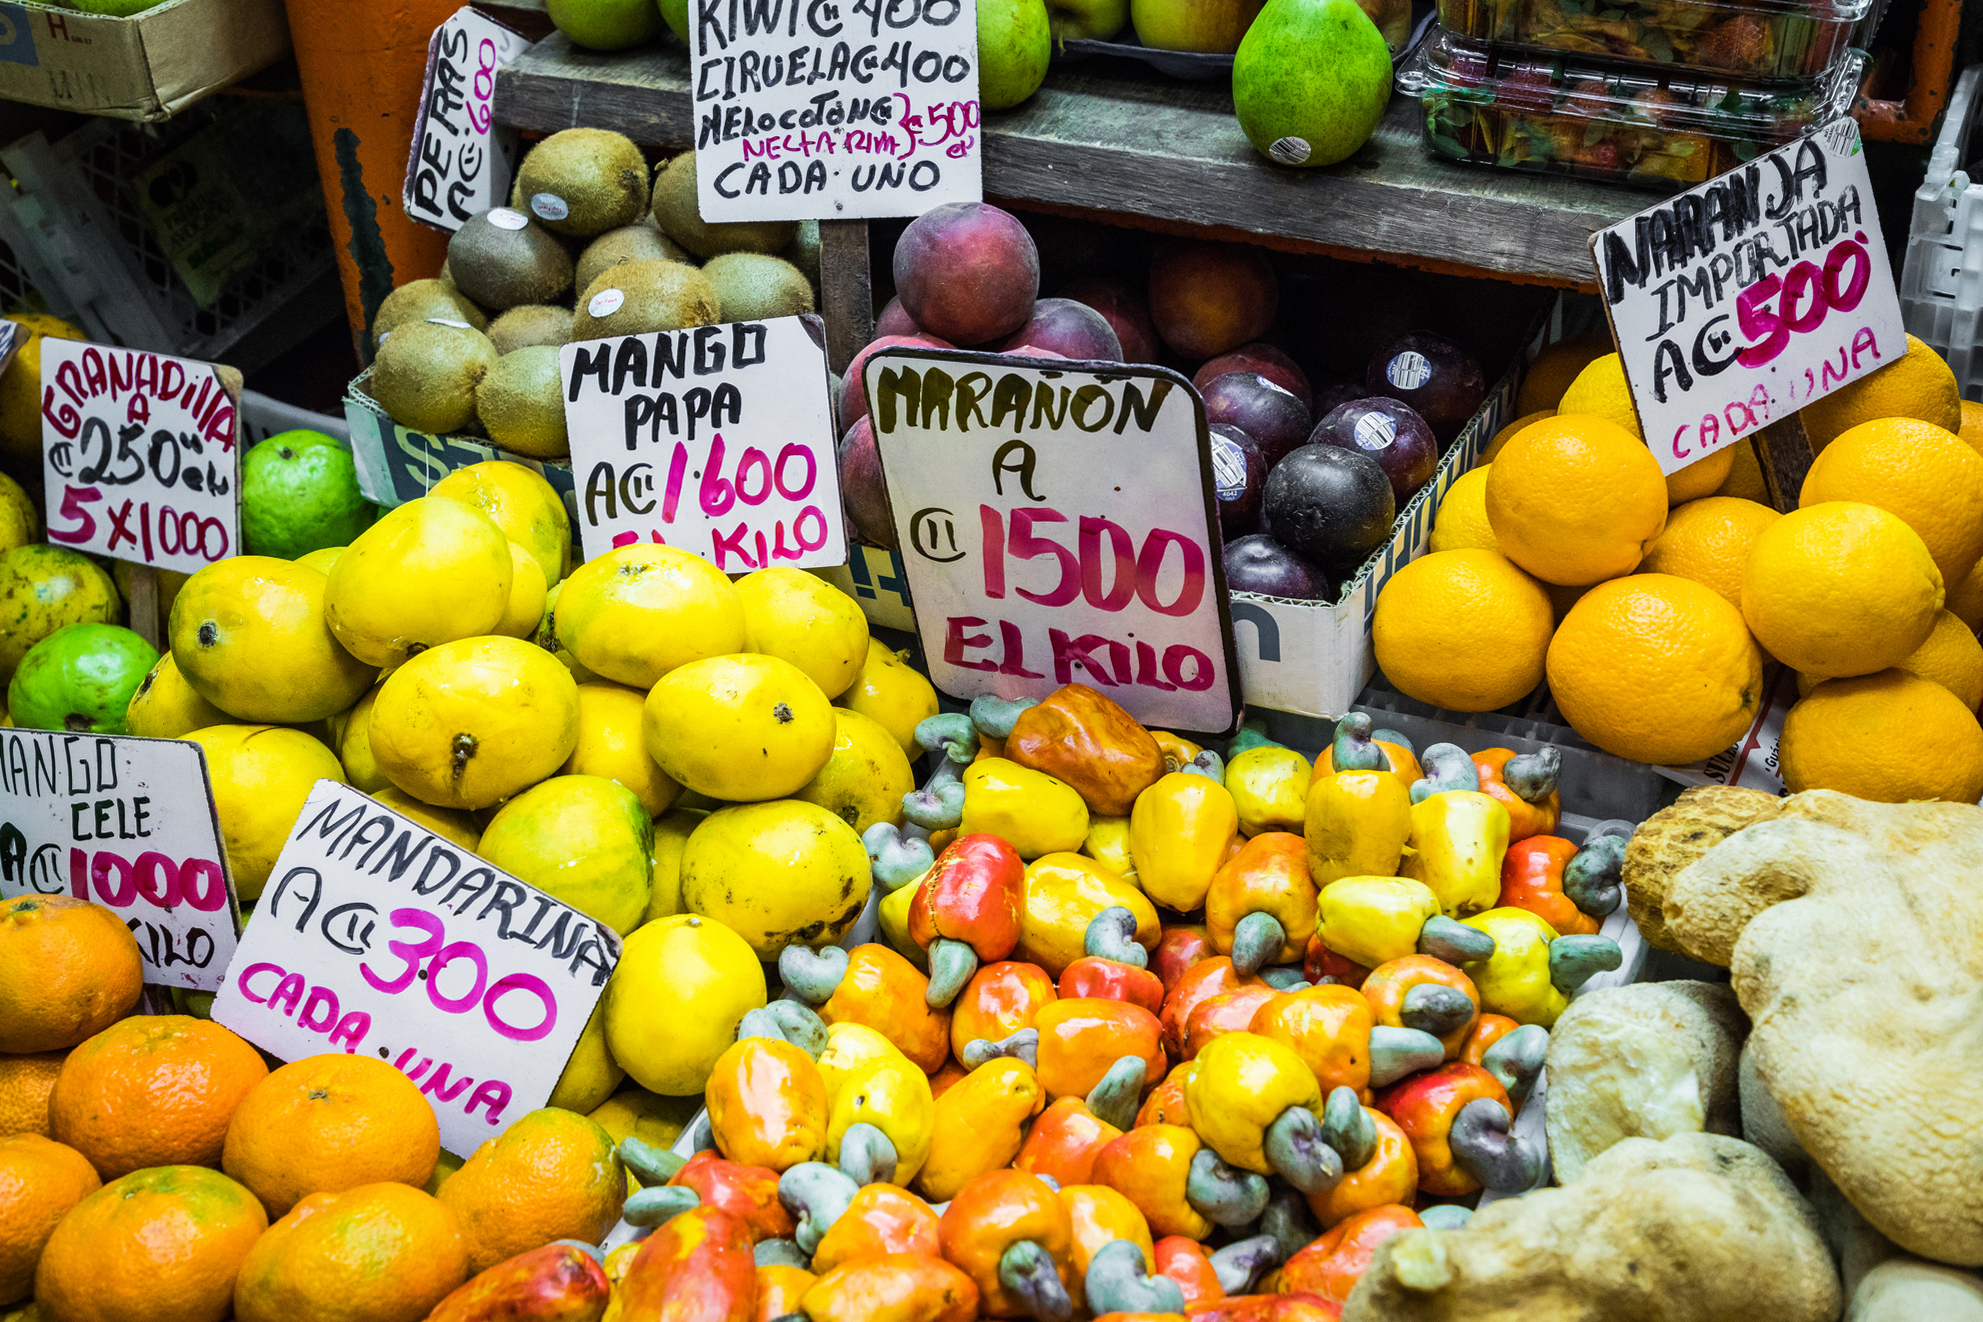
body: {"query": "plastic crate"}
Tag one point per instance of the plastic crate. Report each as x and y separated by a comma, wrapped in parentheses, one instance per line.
(263, 416)
(1941, 279)
(75, 235)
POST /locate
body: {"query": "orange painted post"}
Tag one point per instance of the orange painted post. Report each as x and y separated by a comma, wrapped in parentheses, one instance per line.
(361, 66)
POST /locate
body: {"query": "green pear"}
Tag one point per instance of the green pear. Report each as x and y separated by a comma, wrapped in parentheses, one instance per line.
(1311, 80)
(1014, 43)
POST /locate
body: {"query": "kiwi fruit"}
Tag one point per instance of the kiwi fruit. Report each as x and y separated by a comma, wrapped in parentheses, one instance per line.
(582, 182)
(629, 243)
(803, 250)
(502, 258)
(417, 300)
(532, 323)
(521, 403)
(676, 211)
(751, 287)
(427, 373)
(653, 296)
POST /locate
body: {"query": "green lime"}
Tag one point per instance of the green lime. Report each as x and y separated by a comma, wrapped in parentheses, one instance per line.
(299, 493)
(607, 24)
(80, 679)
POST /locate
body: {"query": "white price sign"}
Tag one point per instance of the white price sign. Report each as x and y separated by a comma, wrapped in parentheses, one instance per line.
(1058, 525)
(128, 824)
(718, 440)
(138, 455)
(377, 936)
(1741, 300)
(460, 162)
(834, 109)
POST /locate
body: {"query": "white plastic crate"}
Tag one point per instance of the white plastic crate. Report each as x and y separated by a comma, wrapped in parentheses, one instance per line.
(1941, 281)
(263, 416)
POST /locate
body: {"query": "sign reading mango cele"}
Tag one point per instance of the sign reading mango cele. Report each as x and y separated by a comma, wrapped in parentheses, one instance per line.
(128, 824)
(718, 440)
(375, 935)
(1058, 525)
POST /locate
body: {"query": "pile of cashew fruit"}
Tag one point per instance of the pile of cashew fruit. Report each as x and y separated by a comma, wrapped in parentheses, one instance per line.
(1154, 1032)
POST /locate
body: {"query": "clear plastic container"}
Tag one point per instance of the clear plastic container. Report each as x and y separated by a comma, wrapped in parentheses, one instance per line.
(1751, 39)
(1623, 125)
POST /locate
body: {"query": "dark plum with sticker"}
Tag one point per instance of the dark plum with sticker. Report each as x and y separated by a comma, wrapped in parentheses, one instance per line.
(1441, 381)
(1239, 475)
(1270, 415)
(1389, 432)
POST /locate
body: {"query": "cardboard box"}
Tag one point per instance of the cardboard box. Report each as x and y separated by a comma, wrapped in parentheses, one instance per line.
(874, 578)
(396, 465)
(146, 67)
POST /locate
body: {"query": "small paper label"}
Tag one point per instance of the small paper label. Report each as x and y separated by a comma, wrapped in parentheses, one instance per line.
(1408, 371)
(447, 321)
(1375, 431)
(505, 219)
(1289, 151)
(1228, 467)
(549, 206)
(606, 302)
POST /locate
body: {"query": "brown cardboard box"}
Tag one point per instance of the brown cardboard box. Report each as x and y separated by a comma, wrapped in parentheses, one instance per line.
(146, 67)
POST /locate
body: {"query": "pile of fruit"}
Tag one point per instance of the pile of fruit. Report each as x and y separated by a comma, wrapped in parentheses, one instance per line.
(1653, 604)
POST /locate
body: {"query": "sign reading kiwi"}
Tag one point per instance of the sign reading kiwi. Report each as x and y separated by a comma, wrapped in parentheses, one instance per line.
(460, 161)
(717, 439)
(138, 455)
(1058, 524)
(806, 110)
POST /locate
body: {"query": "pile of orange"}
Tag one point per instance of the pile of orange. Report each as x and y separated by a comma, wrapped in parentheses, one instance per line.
(1671, 594)
(143, 1158)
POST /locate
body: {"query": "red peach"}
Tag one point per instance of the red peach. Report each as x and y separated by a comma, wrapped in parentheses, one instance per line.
(1126, 311)
(968, 272)
(853, 399)
(1207, 298)
(1067, 328)
(1263, 360)
(862, 488)
(894, 321)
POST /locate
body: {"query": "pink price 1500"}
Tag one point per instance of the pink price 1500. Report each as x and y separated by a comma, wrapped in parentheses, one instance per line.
(1131, 573)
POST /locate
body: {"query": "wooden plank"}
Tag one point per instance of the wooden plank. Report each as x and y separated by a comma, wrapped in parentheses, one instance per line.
(1103, 139)
(846, 289)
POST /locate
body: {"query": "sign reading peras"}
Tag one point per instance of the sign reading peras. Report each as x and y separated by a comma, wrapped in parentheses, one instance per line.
(128, 824)
(1057, 525)
(461, 160)
(1743, 299)
(138, 455)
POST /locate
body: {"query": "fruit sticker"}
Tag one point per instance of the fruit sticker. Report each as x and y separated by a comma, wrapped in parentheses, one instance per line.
(1057, 524)
(1743, 299)
(708, 439)
(812, 111)
(128, 824)
(461, 161)
(138, 455)
(375, 936)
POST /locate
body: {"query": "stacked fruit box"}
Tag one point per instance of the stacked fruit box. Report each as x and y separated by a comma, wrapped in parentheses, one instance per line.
(1659, 94)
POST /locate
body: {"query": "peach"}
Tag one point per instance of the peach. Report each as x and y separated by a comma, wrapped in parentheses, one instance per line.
(894, 321)
(968, 272)
(1207, 298)
(1068, 328)
(853, 399)
(1127, 313)
(862, 489)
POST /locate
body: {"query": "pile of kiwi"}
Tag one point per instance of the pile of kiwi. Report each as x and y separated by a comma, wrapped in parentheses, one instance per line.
(586, 249)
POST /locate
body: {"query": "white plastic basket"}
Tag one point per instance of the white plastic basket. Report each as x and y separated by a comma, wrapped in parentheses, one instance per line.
(263, 416)
(1941, 282)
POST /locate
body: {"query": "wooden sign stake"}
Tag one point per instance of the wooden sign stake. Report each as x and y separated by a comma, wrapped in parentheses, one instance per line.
(1783, 451)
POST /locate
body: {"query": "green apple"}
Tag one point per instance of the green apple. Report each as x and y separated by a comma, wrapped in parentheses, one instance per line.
(606, 24)
(1014, 43)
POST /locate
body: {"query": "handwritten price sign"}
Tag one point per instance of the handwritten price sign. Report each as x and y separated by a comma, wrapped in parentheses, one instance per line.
(1743, 299)
(128, 824)
(1057, 525)
(835, 109)
(718, 440)
(460, 164)
(376, 935)
(138, 455)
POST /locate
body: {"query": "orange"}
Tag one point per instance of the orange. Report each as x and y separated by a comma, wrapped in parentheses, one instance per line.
(1509, 432)
(153, 1090)
(161, 1245)
(40, 1180)
(551, 1175)
(1951, 657)
(1550, 373)
(1561, 599)
(1464, 630)
(1965, 600)
(1916, 472)
(1601, 389)
(1708, 540)
(1917, 384)
(1745, 475)
(1462, 518)
(330, 1123)
(1891, 737)
(1575, 499)
(67, 969)
(25, 1082)
(377, 1253)
(1971, 431)
(1840, 588)
(1656, 668)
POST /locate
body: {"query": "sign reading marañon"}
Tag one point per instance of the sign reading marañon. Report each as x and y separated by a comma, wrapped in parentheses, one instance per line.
(1058, 525)
(375, 935)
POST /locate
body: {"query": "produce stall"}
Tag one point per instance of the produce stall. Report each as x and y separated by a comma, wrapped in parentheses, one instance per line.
(1170, 682)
